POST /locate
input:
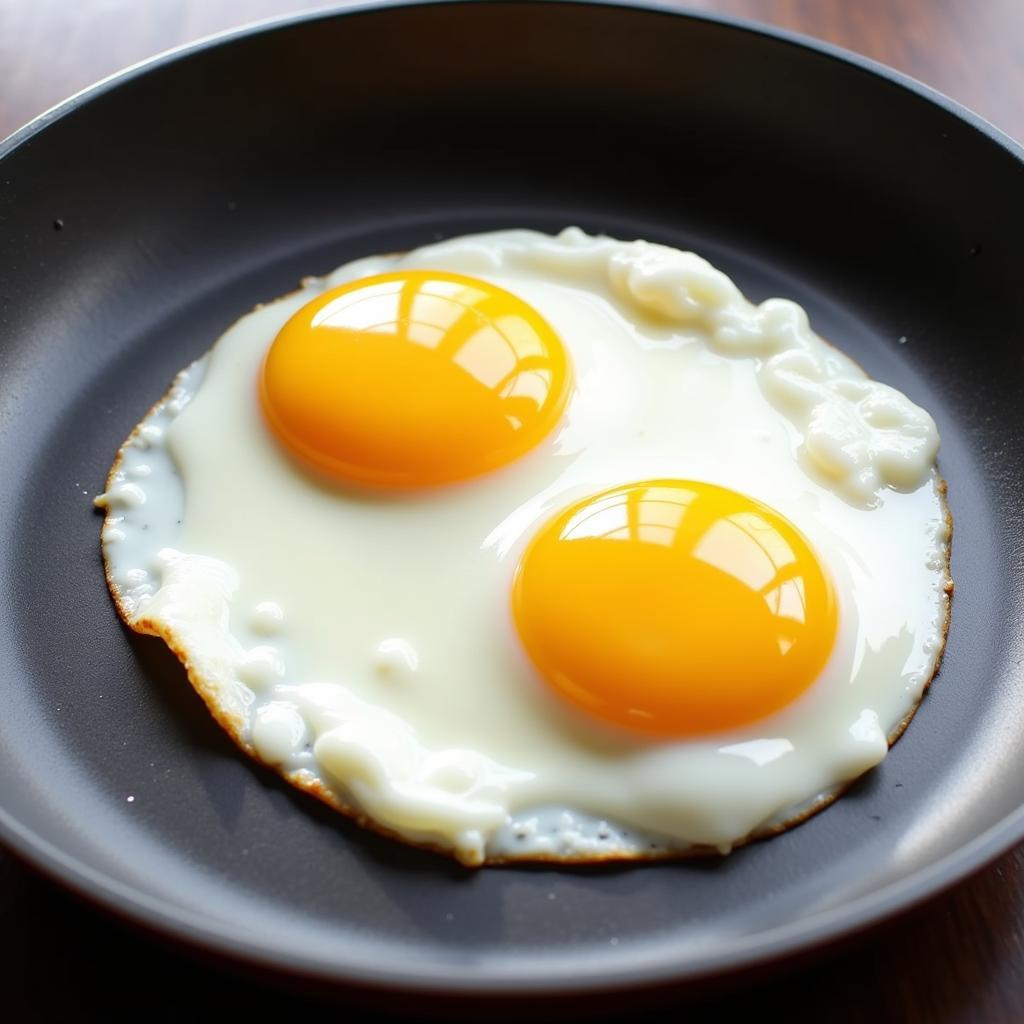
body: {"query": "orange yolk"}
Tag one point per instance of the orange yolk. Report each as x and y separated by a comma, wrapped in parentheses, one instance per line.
(414, 378)
(674, 607)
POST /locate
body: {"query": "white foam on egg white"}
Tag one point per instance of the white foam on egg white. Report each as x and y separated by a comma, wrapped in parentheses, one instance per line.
(366, 642)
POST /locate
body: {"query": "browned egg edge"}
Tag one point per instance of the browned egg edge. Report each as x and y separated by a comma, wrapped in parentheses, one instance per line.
(233, 724)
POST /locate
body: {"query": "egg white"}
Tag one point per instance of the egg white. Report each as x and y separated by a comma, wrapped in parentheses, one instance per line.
(363, 645)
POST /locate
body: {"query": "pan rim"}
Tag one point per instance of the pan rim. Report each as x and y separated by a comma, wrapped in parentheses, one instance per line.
(748, 25)
(642, 970)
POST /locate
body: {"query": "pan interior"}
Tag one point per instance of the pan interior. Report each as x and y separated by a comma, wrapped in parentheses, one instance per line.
(193, 191)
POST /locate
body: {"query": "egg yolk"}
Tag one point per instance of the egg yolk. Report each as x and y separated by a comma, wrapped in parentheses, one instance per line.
(674, 607)
(414, 378)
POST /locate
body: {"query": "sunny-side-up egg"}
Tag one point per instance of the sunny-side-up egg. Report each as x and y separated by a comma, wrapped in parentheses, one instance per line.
(530, 547)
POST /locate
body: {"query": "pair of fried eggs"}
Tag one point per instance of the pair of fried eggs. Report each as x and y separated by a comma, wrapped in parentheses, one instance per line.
(530, 547)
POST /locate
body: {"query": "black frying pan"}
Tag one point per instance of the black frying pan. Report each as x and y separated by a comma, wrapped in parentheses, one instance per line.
(139, 220)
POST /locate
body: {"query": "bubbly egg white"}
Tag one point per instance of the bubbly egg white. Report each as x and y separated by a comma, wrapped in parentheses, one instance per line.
(365, 642)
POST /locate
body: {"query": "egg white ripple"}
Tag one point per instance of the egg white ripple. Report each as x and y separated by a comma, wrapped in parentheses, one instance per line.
(364, 645)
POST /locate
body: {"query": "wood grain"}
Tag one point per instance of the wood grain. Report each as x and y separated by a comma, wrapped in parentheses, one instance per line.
(960, 959)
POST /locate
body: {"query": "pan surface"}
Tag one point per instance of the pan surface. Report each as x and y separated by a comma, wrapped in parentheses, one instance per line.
(138, 220)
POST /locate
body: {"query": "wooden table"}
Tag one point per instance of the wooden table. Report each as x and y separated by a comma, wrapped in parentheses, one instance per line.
(959, 959)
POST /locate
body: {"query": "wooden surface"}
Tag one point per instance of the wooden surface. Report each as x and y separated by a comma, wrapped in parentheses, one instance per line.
(960, 959)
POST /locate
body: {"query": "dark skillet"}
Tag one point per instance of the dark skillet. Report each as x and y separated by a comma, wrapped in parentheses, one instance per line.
(140, 219)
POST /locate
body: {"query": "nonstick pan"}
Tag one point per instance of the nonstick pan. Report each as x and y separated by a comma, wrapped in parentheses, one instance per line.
(141, 218)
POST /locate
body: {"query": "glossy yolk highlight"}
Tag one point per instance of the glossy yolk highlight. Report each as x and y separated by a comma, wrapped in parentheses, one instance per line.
(414, 378)
(674, 607)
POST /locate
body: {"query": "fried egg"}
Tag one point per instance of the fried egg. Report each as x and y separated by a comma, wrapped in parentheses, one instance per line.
(525, 547)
